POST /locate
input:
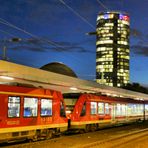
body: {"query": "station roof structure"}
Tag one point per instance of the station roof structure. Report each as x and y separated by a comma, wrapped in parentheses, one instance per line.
(11, 73)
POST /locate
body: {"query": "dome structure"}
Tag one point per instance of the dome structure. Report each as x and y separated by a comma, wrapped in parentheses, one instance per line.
(59, 68)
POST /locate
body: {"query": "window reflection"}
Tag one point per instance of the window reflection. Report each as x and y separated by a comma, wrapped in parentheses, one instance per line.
(93, 108)
(100, 108)
(13, 106)
(46, 107)
(30, 107)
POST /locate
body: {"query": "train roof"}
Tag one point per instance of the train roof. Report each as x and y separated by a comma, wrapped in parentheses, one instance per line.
(15, 73)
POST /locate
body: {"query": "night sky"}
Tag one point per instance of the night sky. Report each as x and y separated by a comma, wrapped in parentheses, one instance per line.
(51, 31)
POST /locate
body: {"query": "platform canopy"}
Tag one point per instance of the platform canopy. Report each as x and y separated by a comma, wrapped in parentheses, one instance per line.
(11, 73)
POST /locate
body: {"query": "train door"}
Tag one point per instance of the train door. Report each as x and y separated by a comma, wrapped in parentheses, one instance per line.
(113, 111)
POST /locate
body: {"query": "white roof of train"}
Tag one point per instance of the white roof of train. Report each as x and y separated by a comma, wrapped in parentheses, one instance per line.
(15, 73)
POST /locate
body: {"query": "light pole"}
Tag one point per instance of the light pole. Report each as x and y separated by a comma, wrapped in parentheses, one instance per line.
(4, 56)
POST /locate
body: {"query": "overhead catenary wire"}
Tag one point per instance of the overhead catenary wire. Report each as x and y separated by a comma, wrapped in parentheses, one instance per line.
(3, 21)
(107, 9)
(76, 13)
(49, 41)
(5, 32)
(34, 36)
(28, 33)
(14, 36)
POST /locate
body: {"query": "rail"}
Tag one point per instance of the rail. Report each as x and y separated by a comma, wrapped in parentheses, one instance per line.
(118, 140)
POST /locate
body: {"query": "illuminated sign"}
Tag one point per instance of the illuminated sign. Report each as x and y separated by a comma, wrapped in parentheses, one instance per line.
(123, 17)
(106, 16)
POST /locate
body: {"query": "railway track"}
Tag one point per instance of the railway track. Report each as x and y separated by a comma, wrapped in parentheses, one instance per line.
(105, 138)
(119, 141)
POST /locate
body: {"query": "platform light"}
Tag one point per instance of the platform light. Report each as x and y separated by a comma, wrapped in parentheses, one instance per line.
(73, 88)
(108, 94)
(6, 78)
(139, 99)
(68, 112)
(114, 95)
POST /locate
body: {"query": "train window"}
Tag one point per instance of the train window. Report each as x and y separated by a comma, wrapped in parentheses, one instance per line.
(129, 109)
(62, 110)
(46, 107)
(140, 109)
(123, 109)
(106, 108)
(93, 107)
(132, 109)
(14, 107)
(100, 108)
(30, 107)
(146, 108)
(83, 112)
(118, 109)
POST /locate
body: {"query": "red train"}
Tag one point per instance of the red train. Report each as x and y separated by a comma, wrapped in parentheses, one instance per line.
(92, 111)
(36, 113)
(31, 113)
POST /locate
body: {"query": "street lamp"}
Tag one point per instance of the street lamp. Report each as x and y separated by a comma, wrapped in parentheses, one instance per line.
(4, 57)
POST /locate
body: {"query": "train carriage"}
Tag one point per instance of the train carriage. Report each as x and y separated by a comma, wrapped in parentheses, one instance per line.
(30, 113)
(91, 111)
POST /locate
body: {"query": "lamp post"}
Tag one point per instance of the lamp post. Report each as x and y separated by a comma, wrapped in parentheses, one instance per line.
(4, 57)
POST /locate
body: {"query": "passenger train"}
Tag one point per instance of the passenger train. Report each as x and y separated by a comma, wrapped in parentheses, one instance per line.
(89, 111)
(37, 113)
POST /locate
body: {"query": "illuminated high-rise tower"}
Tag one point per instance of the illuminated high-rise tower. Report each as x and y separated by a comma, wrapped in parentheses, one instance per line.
(112, 55)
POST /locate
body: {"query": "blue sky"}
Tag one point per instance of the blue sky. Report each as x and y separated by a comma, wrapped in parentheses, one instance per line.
(57, 34)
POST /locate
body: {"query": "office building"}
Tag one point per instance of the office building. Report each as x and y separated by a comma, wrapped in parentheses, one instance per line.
(112, 49)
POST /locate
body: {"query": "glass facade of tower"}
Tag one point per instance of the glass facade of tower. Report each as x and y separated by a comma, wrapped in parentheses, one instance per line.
(112, 55)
